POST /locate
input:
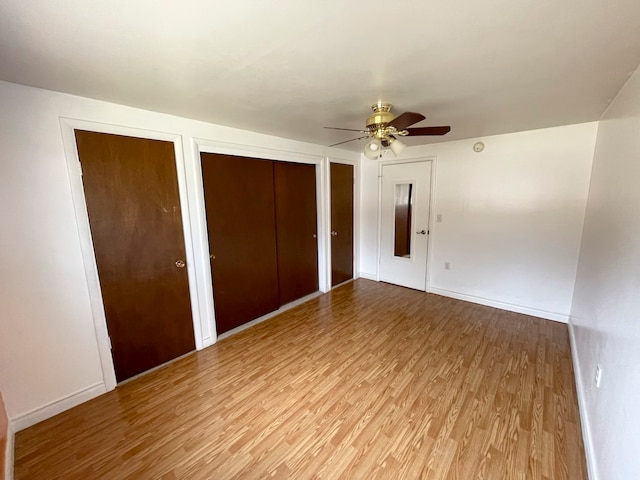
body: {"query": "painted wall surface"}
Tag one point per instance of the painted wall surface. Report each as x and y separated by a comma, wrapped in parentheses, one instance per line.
(512, 217)
(48, 345)
(605, 317)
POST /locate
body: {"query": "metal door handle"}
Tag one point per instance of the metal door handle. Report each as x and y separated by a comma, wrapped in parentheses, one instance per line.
(333, 233)
(180, 263)
(422, 232)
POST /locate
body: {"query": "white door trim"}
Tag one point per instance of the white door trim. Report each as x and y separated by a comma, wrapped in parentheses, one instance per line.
(432, 197)
(68, 125)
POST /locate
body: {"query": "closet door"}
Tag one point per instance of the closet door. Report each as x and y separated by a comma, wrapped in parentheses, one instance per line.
(240, 211)
(341, 223)
(296, 229)
(131, 190)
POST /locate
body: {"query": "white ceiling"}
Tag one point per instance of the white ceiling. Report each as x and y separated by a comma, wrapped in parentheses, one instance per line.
(290, 67)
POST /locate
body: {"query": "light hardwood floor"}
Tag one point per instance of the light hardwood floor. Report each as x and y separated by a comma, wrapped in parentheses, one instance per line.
(368, 381)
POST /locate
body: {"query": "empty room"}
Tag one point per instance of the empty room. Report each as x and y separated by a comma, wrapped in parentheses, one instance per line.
(332, 240)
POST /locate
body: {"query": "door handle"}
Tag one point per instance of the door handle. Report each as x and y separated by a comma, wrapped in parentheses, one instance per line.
(180, 263)
(422, 232)
(333, 233)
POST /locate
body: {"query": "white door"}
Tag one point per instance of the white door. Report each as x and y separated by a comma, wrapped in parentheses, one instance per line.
(404, 225)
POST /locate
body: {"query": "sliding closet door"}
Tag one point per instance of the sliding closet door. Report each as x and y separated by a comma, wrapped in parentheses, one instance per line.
(131, 190)
(240, 212)
(341, 223)
(296, 229)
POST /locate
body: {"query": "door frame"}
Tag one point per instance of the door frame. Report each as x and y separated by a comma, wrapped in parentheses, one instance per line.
(432, 209)
(74, 170)
(199, 219)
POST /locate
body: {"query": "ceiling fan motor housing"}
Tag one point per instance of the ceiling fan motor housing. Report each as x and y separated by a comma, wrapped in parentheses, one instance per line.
(380, 117)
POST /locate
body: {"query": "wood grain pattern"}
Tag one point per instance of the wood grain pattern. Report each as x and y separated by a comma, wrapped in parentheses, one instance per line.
(133, 203)
(241, 222)
(296, 229)
(341, 222)
(368, 381)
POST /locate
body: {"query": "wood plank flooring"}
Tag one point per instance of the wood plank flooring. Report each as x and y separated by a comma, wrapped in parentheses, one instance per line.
(368, 381)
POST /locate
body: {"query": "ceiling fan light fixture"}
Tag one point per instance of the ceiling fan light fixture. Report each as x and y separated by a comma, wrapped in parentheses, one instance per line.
(373, 149)
(397, 146)
(383, 128)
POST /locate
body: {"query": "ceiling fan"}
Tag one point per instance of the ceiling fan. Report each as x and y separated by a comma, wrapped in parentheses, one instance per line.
(383, 127)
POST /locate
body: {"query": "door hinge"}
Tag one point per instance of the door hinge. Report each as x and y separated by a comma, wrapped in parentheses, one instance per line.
(80, 167)
(109, 341)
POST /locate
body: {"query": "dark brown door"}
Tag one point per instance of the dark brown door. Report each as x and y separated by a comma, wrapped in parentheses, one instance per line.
(296, 229)
(341, 223)
(240, 207)
(131, 191)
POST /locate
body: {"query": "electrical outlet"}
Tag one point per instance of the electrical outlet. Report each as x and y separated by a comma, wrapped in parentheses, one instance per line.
(598, 377)
(447, 266)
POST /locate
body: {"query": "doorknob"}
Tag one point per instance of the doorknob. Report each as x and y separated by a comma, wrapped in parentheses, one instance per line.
(422, 232)
(333, 233)
(180, 263)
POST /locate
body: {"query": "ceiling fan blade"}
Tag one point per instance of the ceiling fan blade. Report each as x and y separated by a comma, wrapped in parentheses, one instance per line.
(347, 129)
(347, 141)
(405, 119)
(428, 131)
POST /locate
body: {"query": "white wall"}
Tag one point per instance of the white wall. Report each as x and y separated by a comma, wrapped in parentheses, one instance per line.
(605, 317)
(49, 353)
(512, 217)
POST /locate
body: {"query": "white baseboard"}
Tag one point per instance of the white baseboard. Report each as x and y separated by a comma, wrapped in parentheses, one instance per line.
(557, 317)
(57, 406)
(208, 341)
(9, 456)
(368, 276)
(582, 408)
